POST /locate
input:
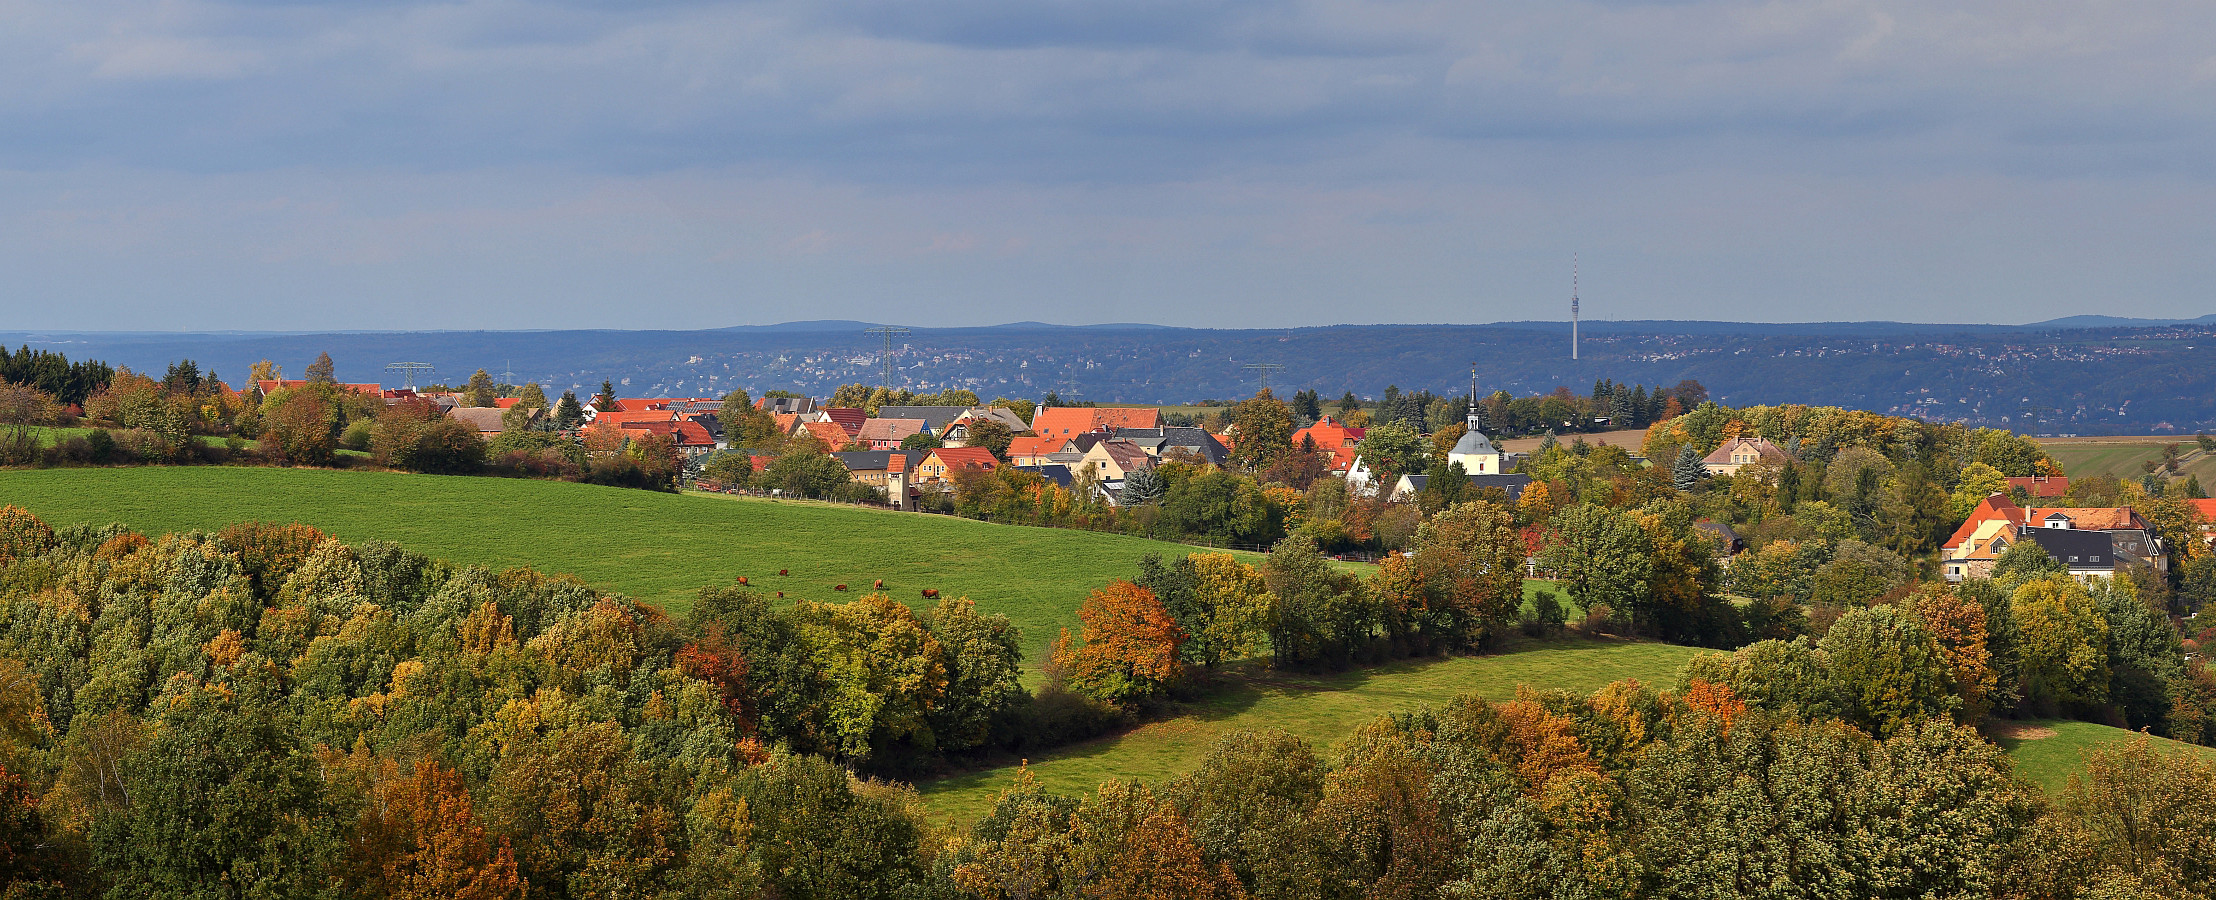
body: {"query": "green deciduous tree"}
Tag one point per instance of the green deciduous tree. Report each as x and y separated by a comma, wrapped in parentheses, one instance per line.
(1262, 430)
(1889, 670)
(1601, 556)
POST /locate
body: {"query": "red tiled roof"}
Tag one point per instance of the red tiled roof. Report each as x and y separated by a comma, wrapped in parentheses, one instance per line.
(1994, 506)
(693, 434)
(506, 402)
(627, 417)
(1763, 449)
(2097, 518)
(846, 417)
(2207, 509)
(889, 430)
(831, 435)
(1027, 447)
(1070, 421)
(955, 458)
(2042, 487)
(1333, 439)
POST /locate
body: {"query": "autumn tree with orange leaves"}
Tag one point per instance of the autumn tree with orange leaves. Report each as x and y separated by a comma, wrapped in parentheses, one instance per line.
(1128, 652)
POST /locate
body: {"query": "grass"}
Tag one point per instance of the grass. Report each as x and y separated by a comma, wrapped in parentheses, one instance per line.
(2047, 753)
(660, 548)
(49, 435)
(2083, 459)
(1321, 710)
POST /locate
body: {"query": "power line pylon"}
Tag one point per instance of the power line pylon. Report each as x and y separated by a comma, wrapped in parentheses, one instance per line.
(1266, 370)
(888, 331)
(409, 370)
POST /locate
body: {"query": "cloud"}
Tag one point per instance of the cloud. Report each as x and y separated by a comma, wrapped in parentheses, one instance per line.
(1224, 159)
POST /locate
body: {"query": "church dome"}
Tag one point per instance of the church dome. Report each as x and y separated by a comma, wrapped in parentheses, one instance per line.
(1473, 443)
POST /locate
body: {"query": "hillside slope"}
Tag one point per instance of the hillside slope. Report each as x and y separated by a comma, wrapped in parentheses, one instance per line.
(661, 548)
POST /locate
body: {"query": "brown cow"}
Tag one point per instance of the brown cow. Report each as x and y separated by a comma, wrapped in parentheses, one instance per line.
(930, 593)
(783, 572)
(838, 587)
(879, 586)
(742, 581)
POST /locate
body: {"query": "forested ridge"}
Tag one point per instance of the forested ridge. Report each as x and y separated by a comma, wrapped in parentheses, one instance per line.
(266, 712)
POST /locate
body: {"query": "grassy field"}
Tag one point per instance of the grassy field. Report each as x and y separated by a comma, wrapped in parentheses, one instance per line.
(661, 548)
(1319, 709)
(2047, 753)
(2121, 457)
(48, 436)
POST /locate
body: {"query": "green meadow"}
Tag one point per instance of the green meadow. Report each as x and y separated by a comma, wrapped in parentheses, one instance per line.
(659, 548)
(2123, 459)
(2048, 752)
(1320, 709)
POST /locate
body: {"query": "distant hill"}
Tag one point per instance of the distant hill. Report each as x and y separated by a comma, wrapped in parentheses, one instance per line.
(2063, 376)
(2118, 322)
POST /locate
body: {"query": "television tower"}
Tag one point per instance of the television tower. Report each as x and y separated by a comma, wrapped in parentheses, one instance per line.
(1573, 307)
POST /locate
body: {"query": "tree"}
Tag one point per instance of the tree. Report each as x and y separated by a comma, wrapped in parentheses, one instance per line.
(1232, 604)
(1470, 561)
(1263, 425)
(991, 434)
(1600, 556)
(481, 392)
(264, 371)
(1959, 625)
(419, 838)
(1391, 450)
(223, 803)
(606, 399)
(1128, 650)
(1688, 471)
(2062, 642)
(301, 426)
(920, 442)
(322, 371)
(984, 665)
(728, 469)
(569, 413)
(1889, 670)
(1142, 487)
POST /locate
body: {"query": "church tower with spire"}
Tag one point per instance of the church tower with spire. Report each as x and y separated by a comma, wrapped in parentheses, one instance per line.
(1477, 455)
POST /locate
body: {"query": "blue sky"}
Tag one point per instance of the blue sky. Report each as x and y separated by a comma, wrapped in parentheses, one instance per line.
(286, 164)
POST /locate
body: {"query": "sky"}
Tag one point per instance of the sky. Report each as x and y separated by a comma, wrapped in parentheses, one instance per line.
(390, 164)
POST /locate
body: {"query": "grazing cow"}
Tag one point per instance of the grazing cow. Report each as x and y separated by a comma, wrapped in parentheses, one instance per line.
(780, 595)
(742, 581)
(879, 586)
(838, 587)
(783, 572)
(930, 593)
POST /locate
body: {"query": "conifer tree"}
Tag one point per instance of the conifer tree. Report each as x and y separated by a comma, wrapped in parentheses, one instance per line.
(1687, 472)
(322, 371)
(606, 399)
(568, 413)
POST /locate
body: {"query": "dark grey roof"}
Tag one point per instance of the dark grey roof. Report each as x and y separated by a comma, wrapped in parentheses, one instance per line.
(2078, 548)
(1161, 440)
(865, 460)
(1512, 484)
(1059, 474)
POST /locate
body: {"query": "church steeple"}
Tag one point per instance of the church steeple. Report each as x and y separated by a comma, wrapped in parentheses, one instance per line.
(1474, 418)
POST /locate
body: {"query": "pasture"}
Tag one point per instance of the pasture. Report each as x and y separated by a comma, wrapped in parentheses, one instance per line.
(659, 548)
(1320, 709)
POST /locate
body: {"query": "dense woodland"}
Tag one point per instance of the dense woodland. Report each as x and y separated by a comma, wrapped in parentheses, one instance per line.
(268, 713)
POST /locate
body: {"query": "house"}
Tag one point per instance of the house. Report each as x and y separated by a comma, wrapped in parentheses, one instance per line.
(1174, 441)
(957, 431)
(847, 418)
(2042, 487)
(786, 406)
(693, 439)
(886, 434)
(886, 470)
(1057, 473)
(1998, 523)
(1032, 450)
(829, 434)
(1475, 452)
(2207, 509)
(1333, 438)
(940, 463)
(935, 418)
(1071, 421)
(622, 418)
(486, 419)
(1512, 485)
(1740, 452)
(1725, 540)
(1114, 458)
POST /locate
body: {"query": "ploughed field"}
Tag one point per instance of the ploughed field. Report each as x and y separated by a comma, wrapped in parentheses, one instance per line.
(659, 548)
